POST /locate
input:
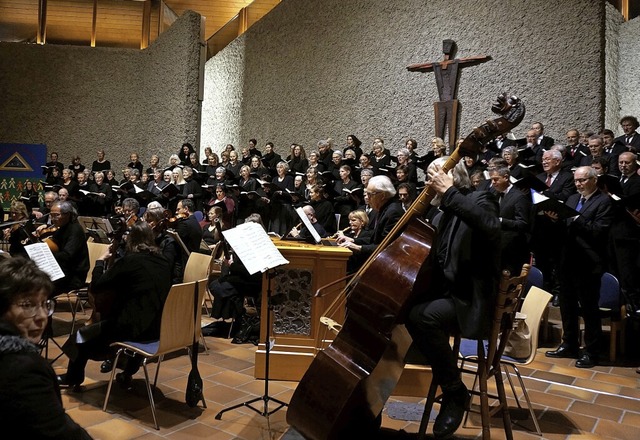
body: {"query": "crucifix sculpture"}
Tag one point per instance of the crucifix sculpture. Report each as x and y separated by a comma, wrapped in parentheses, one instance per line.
(446, 72)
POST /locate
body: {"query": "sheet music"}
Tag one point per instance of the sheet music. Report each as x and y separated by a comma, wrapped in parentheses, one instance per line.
(254, 248)
(44, 259)
(308, 224)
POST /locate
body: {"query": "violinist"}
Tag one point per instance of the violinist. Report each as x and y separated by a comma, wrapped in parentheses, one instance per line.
(135, 311)
(18, 234)
(158, 220)
(465, 278)
(187, 226)
(70, 250)
(49, 198)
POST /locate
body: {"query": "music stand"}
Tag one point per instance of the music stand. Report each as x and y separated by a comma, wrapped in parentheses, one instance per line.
(97, 227)
(245, 239)
(265, 397)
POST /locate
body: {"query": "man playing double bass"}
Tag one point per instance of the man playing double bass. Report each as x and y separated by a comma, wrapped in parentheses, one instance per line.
(464, 281)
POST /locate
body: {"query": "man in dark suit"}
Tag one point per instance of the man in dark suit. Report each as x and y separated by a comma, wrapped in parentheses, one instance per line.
(188, 228)
(624, 237)
(515, 213)
(596, 149)
(582, 265)
(574, 151)
(381, 195)
(631, 137)
(546, 233)
(464, 281)
(612, 149)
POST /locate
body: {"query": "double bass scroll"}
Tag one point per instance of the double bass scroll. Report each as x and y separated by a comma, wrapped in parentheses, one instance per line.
(366, 358)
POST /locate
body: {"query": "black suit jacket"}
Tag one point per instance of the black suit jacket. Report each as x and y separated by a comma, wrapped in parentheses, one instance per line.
(562, 186)
(573, 160)
(190, 232)
(635, 142)
(515, 215)
(385, 220)
(585, 240)
(467, 257)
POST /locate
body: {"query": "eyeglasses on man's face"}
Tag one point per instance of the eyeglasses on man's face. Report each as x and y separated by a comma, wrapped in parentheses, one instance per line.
(31, 309)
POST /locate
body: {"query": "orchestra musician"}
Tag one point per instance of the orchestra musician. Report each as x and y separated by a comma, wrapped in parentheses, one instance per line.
(301, 231)
(134, 313)
(465, 278)
(69, 247)
(18, 234)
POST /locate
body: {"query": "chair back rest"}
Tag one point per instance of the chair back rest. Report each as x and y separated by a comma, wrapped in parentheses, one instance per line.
(197, 267)
(507, 301)
(96, 250)
(534, 278)
(177, 328)
(534, 305)
(609, 292)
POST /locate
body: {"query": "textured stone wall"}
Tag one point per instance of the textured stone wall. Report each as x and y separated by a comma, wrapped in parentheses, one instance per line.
(613, 23)
(313, 69)
(79, 99)
(628, 77)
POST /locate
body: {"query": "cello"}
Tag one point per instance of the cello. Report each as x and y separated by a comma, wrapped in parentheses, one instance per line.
(366, 358)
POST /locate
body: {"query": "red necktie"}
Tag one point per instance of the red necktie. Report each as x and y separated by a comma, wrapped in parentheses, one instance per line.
(548, 181)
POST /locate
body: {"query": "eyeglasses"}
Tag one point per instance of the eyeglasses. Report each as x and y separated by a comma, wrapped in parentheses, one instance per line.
(31, 309)
(371, 193)
(582, 180)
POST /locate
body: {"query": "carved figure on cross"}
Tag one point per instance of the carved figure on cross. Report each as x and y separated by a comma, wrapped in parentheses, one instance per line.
(446, 73)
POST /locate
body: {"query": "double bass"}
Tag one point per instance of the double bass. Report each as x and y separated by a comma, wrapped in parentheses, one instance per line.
(344, 390)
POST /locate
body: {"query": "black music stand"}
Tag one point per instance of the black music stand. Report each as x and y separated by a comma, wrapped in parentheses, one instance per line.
(265, 398)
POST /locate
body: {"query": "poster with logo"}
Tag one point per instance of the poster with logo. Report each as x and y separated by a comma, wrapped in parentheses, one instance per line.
(19, 164)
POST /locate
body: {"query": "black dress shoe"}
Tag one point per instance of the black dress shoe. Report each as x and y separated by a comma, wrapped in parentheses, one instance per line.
(106, 366)
(564, 351)
(555, 301)
(587, 360)
(65, 382)
(451, 412)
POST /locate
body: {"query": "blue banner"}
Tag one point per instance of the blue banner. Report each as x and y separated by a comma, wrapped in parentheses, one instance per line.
(20, 163)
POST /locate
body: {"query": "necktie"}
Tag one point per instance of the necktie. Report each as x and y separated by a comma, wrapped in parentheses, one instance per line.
(623, 179)
(629, 139)
(580, 203)
(548, 181)
(500, 197)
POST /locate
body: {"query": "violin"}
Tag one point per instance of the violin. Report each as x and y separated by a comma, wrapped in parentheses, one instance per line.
(366, 358)
(45, 235)
(174, 220)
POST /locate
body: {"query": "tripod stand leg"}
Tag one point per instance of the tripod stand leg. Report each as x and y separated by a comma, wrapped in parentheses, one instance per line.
(265, 398)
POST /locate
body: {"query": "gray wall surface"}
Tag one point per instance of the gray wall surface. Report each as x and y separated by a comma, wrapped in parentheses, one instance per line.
(313, 69)
(629, 68)
(79, 99)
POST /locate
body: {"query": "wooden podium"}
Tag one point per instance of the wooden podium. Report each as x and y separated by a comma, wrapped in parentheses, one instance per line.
(295, 320)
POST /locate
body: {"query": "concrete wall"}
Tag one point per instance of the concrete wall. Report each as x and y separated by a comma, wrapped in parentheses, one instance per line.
(628, 78)
(613, 23)
(78, 99)
(313, 69)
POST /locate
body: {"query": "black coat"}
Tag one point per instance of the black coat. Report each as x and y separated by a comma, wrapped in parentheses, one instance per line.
(467, 265)
(30, 398)
(139, 284)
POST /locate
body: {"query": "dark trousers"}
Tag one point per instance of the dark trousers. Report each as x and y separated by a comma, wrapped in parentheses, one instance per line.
(430, 325)
(579, 295)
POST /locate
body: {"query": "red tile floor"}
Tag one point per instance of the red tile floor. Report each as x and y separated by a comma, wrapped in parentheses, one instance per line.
(571, 403)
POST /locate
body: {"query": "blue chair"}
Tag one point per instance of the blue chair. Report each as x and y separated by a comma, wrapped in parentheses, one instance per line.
(612, 308)
(199, 215)
(534, 278)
